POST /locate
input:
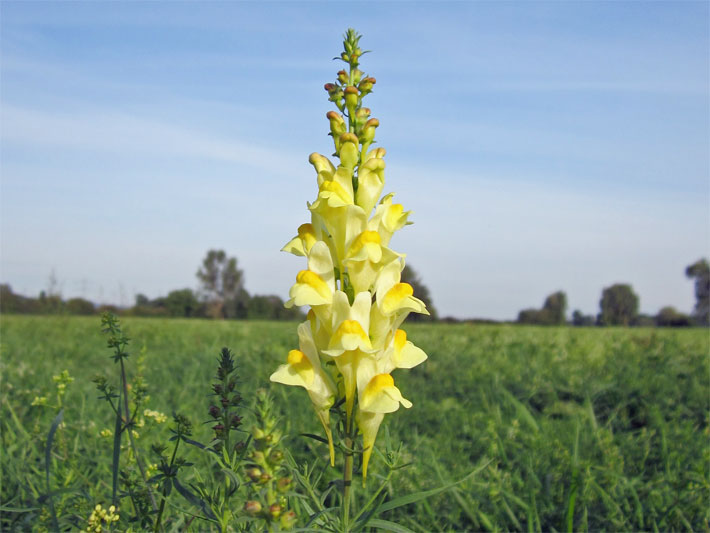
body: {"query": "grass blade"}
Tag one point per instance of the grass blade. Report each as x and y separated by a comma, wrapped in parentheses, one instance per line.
(417, 496)
(48, 462)
(386, 525)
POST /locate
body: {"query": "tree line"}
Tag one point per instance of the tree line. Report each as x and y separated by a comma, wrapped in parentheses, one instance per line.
(619, 306)
(222, 295)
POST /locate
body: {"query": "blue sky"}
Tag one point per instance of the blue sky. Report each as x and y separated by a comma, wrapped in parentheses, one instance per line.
(542, 146)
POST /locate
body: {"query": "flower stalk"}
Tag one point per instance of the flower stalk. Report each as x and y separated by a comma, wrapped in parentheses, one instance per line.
(351, 341)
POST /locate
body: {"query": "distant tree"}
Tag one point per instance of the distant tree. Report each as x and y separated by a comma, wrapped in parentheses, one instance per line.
(142, 300)
(619, 305)
(80, 306)
(530, 316)
(181, 303)
(421, 291)
(552, 312)
(670, 317)
(222, 285)
(580, 319)
(700, 270)
(555, 308)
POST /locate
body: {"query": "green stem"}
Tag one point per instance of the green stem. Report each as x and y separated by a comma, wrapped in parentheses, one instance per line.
(347, 473)
(165, 490)
(124, 382)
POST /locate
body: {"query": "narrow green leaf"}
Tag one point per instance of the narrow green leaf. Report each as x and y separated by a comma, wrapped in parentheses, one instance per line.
(48, 463)
(417, 496)
(194, 500)
(386, 525)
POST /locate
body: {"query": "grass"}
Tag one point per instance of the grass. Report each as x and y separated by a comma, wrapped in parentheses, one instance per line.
(572, 429)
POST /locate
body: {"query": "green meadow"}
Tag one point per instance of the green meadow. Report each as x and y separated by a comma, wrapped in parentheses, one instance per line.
(564, 429)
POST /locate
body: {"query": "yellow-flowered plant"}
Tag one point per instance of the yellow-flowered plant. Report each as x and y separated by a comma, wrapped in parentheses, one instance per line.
(351, 341)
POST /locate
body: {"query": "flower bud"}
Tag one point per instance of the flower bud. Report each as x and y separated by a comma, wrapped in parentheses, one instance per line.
(253, 473)
(357, 75)
(264, 478)
(252, 507)
(214, 411)
(275, 510)
(257, 433)
(236, 421)
(349, 144)
(217, 388)
(343, 77)
(330, 87)
(351, 98)
(284, 484)
(276, 456)
(288, 520)
(258, 457)
(345, 57)
(363, 114)
(368, 131)
(366, 84)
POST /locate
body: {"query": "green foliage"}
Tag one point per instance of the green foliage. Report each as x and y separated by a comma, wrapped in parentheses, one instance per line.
(619, 305)
(552, 312)
(222, 285)
(606, 428)
(580, 319)
(671, 317)
(700, 271)
(421, 291)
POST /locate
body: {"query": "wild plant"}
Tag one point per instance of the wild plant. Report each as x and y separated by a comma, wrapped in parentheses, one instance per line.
(351, 342)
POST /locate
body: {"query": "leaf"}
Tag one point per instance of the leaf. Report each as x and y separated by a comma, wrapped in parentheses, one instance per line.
(314, 437)
(417, 496)
(116, 454)
(194, 500)
(48, 461)
(386, 525)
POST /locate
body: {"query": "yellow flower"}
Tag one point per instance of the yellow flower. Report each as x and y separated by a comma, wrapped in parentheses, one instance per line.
(303, 369)
(351, 340)
(379, 396)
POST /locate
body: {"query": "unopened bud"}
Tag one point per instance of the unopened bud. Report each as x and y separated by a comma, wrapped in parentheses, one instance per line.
(257, 432)
(276, 457)
(264, 478)
(214, 411)
(275, 510)
(342, 77)
(366, 84)
(357, 75)
(363, 114)
(288, 520)
(253, 473)
(368, 130)
(330, 87)
(351, 98)
(284, 484)
(258, 457)
(252, 507)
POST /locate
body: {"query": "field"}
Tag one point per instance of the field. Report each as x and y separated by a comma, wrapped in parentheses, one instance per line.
(569, 429)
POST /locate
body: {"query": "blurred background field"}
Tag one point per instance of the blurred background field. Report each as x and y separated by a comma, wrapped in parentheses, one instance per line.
(571, 428)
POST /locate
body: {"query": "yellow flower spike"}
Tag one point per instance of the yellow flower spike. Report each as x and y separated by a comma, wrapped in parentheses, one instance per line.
(303, 369)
